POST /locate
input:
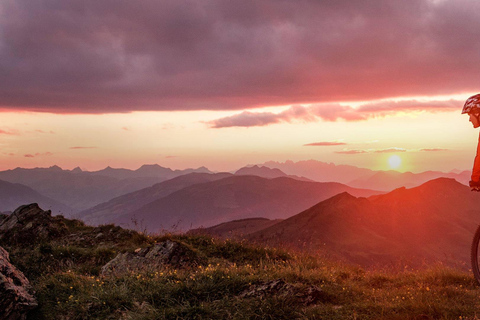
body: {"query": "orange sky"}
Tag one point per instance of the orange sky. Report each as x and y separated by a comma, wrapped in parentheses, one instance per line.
(226, 84)
(423, 140)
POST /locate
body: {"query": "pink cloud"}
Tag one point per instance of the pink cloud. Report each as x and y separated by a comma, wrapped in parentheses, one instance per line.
(110, 56)
(324, 144)
(351, 151)
(42, 131)
(360, 151)
(9, 132)
(333, 112)
(38, 154)
(390, 150)
(433, 149)
(76, 148)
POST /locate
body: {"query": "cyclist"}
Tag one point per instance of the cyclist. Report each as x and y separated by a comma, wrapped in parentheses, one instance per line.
(472, 107)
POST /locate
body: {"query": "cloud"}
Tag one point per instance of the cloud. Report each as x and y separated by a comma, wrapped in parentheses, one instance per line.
(42, 131)
(9, 132)
(360, 151)
(390, 150)
(120, 56)
(324, 144)
(433, 149)
(333, 112)
(29, 155)
(256, 119)
(351, 151)
(76, 148)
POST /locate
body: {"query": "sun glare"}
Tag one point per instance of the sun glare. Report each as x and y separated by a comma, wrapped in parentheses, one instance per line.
(394, 161)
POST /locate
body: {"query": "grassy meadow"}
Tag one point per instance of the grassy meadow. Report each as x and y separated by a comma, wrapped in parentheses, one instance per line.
(66, 277)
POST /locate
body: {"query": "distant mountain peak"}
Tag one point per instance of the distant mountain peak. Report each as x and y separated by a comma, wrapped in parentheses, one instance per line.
(263, 171)
(55, 168)
(145, 166)
(77, 170)
(153, 168)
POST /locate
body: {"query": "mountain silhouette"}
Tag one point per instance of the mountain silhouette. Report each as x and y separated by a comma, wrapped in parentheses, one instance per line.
(81, 190)
(432, 222)
(361, 177)
(389, 180)
(266, 172)
(13, 195)
(236, 229)
(233, 198)
(109, 211)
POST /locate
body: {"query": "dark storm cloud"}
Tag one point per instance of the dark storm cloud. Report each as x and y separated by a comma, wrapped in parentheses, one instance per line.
(117, 56)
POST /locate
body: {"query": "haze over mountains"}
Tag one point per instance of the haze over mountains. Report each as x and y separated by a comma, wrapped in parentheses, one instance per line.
(430, 223)
(80, 190)
(220, 200)
(361, 177)
(11, 194)
(160, 196)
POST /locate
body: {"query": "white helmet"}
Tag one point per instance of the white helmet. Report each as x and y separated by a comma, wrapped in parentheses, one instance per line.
(472, 105)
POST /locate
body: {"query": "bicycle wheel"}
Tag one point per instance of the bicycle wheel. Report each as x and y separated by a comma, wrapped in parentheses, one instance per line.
(475, 255)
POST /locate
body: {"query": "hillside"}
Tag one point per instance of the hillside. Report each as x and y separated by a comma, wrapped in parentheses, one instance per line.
(231, 198)
(109, 211)
(432, 222)
(12, 195)
(389, 180)
(233, 280)
(236, 229)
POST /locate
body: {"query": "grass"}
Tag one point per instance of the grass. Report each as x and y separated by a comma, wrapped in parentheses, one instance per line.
(66, 279)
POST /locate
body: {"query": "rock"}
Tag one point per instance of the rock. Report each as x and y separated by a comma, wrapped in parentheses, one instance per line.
(16, 293)
(169, 253)
(307, 296)
(29, 224)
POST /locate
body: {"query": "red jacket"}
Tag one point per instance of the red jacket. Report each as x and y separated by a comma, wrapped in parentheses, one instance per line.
(476, 165)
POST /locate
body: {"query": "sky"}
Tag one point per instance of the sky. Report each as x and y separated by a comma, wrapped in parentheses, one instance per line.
(224, 84)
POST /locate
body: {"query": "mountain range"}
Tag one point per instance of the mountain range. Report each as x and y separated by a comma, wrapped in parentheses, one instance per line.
(73, 191)
(80, 190)
(430, 223)
(361, 177)
(167, 206)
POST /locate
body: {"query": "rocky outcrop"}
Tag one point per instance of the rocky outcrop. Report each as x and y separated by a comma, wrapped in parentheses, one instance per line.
(29, 224)
(171, 253)
(307, 296)
(16, 294)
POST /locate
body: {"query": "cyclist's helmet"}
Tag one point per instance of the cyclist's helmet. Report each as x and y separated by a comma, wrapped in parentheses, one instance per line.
(472, 105)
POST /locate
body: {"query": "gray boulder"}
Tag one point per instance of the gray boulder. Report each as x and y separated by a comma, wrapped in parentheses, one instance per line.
(16, 293)
(171, 253)
(29, 224)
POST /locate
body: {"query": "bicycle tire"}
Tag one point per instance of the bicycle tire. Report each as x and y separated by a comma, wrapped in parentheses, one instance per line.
(475, 255)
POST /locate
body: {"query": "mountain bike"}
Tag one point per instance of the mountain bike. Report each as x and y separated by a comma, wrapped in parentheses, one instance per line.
(475, 255)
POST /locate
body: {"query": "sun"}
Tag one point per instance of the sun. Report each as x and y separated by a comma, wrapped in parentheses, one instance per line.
(394, 161)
